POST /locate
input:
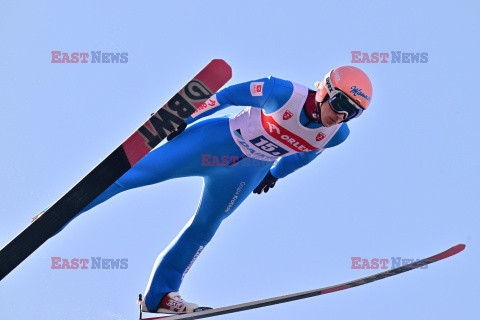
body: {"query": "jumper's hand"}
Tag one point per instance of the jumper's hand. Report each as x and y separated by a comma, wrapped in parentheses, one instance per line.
(177, 131)
(267, 183)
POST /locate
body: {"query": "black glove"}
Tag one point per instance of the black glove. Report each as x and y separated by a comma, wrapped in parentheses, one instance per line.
(267, 183)
(177, 131)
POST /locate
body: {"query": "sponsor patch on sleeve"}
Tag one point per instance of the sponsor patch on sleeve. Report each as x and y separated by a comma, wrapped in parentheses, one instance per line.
(256, 89)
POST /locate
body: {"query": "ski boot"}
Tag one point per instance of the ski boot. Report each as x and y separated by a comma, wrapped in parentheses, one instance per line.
(171, 303)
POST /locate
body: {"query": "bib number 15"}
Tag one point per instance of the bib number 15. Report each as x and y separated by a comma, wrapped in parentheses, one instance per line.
(267, 146)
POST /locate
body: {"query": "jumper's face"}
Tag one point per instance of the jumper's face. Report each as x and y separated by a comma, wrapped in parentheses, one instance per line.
(328, 116)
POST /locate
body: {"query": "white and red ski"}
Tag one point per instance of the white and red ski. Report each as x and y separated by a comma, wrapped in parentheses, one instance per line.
(311, 293)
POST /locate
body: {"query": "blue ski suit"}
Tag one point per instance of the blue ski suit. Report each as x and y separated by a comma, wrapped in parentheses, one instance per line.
(207, 149)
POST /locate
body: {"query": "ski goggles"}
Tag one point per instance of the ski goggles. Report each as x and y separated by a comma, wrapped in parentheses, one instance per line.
(341, 103)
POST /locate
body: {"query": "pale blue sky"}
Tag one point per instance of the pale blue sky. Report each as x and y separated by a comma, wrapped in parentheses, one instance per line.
(405, 183)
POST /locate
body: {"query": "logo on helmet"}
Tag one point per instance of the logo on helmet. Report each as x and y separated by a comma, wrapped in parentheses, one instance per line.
(329, 84)
(358, 92)
(287, 115)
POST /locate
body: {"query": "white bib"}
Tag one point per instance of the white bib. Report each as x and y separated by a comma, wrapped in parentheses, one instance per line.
(278, 134)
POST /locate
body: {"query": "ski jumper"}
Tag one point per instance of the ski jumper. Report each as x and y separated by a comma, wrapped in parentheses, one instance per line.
(233, 156)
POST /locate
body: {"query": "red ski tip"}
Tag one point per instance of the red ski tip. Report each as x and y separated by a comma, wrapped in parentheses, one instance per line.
(450, 252)
(223, 65)
(458, 248)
